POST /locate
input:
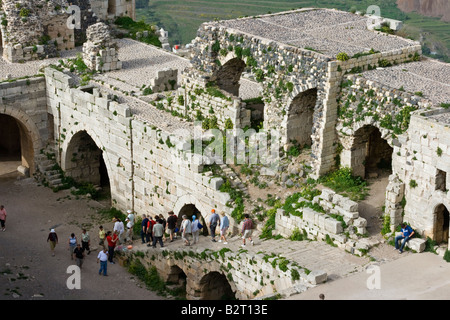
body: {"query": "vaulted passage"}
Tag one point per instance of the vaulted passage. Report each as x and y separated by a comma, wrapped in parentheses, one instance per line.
(229, 75)
(177, 281)
(84, 161)
(16, 144)
(189, 210)
(371, 153)
(300, 118)
(442, 222)
(215, 286)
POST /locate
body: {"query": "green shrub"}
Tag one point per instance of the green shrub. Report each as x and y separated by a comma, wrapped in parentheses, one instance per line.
(342, 56)
(447, 255)
(344, 182)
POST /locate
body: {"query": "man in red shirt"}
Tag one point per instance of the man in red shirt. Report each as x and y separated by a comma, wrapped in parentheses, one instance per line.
(247, 227)
(112, 239)
(150, 225)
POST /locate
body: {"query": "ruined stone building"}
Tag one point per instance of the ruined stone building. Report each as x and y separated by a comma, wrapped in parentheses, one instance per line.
(363, 97)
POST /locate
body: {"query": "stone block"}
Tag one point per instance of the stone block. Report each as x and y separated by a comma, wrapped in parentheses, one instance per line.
(333, 226)
(317, 277)
(416, 244)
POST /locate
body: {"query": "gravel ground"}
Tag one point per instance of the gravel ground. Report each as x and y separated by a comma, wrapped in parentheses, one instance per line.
(429, 76)
(27, 269)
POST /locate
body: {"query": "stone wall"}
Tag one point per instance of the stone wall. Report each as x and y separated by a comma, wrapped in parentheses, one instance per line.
(35, 29)
(250, 276)
(422, 170)
(25, 101)
(204, 100)
(337, 222)
(147, 172)
(100, 51)
(110, 9)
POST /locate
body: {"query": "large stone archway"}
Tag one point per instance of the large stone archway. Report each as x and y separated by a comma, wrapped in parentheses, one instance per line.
(228, 76)
(299, 117)
(366, 151)
(22, 135)
(215, 286)
(83, 160)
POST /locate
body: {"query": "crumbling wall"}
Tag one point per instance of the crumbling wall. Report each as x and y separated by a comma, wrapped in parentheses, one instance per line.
(100, 51)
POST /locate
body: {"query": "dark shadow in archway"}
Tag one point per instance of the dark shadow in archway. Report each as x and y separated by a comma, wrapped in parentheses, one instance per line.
(300, 118)
(86, 166)
(215, 286)
(176, 282)
(229, 75)
(373, 155)
(16, 144)
(189, 210)
(441, 224)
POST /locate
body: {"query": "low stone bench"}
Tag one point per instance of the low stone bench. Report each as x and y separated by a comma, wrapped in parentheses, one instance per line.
(416, 244)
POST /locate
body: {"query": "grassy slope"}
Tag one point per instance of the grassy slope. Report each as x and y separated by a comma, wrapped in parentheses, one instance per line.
(183, 17)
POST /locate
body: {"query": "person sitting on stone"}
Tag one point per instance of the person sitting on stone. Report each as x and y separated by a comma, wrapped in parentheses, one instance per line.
(407, 233)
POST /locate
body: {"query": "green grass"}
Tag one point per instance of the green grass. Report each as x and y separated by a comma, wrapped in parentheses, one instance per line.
(183, 18)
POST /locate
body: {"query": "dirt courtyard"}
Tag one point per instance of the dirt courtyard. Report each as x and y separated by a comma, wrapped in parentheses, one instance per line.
(28, 271)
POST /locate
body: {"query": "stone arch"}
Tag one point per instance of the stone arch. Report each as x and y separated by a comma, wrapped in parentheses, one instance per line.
(84, 145)
(367, 150)
(227, 77)
(300, 110)
(441, 223)
(30, 139)
(188, 204)
(176, 278)
(215, 286)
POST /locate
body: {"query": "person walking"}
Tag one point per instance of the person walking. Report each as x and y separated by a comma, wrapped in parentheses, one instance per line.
(186, 230)
(247, 228)
(78, 254)
(164, 224)
(214, 220)
(85, 241)
(195, 229)
(3, 217)
(158, 231)
(103, 259)
(119, 228)
(407, 233)
(130, 225)
(150, 225)
(144, 235)
(112, 239)
(224, 225)
(72, 244)
(101, 236)
(52, 239)
(171, 225)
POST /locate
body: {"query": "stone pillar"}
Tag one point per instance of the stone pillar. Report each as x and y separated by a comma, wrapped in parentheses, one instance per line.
(394, 195)
(100, 51)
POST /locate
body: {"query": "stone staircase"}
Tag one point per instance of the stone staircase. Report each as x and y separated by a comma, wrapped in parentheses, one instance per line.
(48, 171)
(236, 182)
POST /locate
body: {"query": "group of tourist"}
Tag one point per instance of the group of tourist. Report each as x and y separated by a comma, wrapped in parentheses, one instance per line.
(153, 231)
(107, 240)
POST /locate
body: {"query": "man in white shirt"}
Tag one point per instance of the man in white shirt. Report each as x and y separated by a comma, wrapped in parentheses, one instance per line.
(186, 230)
(103, 259)
(130, 224)
(120, 228)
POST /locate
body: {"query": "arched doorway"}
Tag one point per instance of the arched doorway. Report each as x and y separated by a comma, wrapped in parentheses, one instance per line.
(441, 224)
(189, 210)
(215, 286)
(85, 163)
(16, 144)
(300, 118)
(371, 153)
(229, 75)
(176, 281)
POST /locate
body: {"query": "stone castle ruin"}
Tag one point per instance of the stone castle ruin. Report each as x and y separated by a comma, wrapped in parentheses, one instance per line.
(358, 98)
